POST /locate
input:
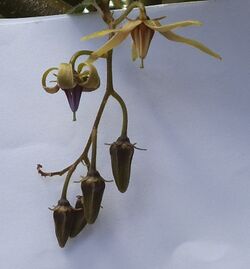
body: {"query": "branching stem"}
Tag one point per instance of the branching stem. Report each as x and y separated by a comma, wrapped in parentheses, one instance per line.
(109, 92)
(133, 5)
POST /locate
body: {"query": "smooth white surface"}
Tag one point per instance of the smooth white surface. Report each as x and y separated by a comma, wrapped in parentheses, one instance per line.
(188, 204)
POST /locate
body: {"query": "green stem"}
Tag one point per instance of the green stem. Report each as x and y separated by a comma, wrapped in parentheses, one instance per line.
(67, 179)
(84, 155)
(102, 8)
(109, 85)
(124, 113)
(94, 149)
(109, 91)
(133, 5)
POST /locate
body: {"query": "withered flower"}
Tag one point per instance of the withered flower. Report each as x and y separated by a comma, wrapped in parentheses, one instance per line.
(63, 215)
(142, 30)
(73, 82)
(93, 186)
(78, 221)
(121, 153)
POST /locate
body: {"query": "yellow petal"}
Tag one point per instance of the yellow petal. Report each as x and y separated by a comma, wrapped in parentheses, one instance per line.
(92, 82)
(155, 25)
(65, 77)
(134, 53)
(177, 38)
(44, 77)
(99, 34)
(159, 18)
(114, 41)
(80, 67)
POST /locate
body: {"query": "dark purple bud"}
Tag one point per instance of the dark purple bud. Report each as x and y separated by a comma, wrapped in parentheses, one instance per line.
(93, 186)
(121, 153)
(63, 214)
(79, 221)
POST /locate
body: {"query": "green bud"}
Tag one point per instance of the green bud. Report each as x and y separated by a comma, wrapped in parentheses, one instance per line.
(79, 221)
(121, 153)
(63, 214)
(93, 186)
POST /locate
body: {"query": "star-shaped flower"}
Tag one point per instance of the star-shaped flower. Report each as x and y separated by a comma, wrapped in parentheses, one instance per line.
(142, 31)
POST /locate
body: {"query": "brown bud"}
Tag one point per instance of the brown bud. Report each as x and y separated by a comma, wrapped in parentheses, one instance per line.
(93, 186)
(63, 214)
(78, 221)
(121, 153)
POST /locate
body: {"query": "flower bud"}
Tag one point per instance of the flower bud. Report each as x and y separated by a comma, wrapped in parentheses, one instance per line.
(121, 153)
(78, 221)
(93, 186)
(63, 214)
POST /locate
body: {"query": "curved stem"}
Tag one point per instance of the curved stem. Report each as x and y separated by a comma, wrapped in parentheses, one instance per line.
(93, 136)
(102, 8)
(94, 149)
(84, 155)
(67, 179)
(133, 5)
(124, 113)
(51, 174)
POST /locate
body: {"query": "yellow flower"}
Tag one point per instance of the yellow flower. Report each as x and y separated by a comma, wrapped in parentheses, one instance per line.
(142, 31)
(73, 82)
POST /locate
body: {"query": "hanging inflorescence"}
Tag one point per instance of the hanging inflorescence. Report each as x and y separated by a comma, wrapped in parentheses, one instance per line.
(83, 79)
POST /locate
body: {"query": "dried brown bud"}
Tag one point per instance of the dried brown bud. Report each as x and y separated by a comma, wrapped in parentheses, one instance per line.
(79, 221)
(63, 214)
(93, 186)
(121, 153)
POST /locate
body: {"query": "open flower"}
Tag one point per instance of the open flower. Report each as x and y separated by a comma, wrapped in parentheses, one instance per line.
(142, 31)
(73, 82)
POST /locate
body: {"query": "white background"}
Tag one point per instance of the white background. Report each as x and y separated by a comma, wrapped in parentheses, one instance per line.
(188, 204)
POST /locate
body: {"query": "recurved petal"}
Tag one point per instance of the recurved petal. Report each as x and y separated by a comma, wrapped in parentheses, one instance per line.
(65, 77)
(44, 77)
(177, 38)
(114, 41)
(155, 25)
(93, 80)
